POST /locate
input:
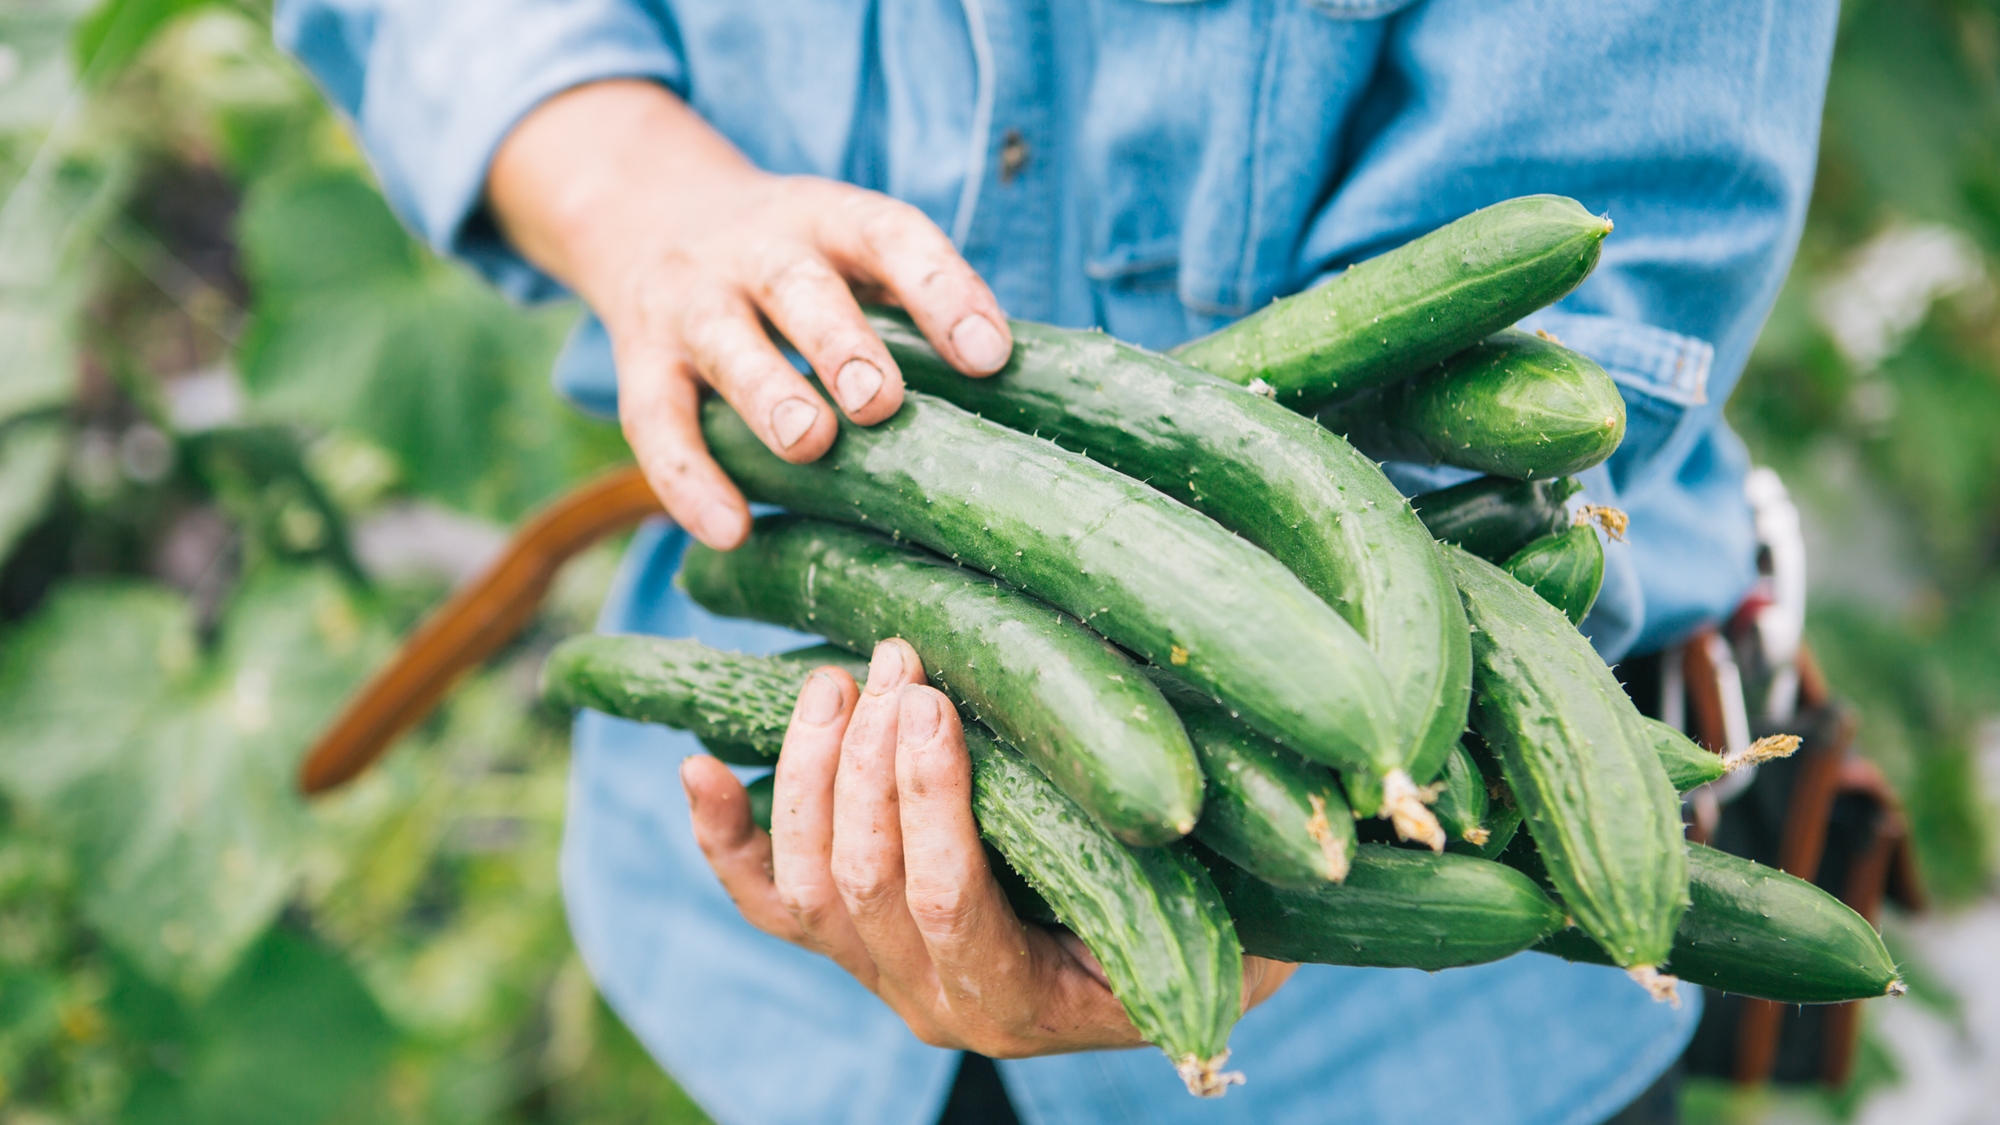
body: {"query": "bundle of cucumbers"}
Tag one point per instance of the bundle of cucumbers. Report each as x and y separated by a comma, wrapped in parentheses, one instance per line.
(1226, 691)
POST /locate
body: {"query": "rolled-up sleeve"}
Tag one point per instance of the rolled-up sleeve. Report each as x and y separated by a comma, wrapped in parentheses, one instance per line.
(433, 86)
(1694, 126)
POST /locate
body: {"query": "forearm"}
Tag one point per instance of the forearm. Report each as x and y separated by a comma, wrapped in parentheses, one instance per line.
(585, 171)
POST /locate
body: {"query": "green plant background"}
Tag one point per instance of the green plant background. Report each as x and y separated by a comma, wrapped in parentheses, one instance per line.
(181, 605)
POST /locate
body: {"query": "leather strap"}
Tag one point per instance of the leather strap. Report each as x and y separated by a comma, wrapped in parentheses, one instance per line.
(474, 624)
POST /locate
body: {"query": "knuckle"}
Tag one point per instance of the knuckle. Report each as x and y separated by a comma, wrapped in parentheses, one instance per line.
(944, 913)
(867, 892)
(813, 909)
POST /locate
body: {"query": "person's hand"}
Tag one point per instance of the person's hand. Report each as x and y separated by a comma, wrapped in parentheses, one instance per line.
(686, 250)
(874, 860)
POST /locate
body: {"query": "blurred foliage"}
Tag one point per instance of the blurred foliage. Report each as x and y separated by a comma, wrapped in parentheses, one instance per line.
(1875, 391)
(222, 361)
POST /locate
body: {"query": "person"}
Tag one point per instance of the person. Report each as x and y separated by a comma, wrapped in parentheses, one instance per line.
(705, 173)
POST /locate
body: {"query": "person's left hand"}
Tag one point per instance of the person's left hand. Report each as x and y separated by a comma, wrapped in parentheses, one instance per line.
(874, 860)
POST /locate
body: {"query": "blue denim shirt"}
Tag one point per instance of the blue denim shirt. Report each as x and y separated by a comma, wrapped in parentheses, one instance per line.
(1185, 163)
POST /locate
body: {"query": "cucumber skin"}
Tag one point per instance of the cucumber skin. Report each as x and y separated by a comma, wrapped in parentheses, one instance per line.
(1756, 931)
(1077, 706)
(1258, 809)
(1412, 307)
(1462, 803)
(1150, 915)
(1688, 765)
(1565, 569)
(1150, 574)
(1399, 908)
(1589, 784)
(720, 696)
(1514, 405)
(1494, 517)
(1270, 475)
(761, 792)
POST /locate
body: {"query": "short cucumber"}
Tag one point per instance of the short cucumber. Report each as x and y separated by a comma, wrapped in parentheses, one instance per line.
(1688, 765)
(1398, 908)
(1566, 569)
(1756, 931)
(1152, 575)
(1151, 916)
(1462, 802)
(1078, 707)
(1264, 472)
(1592, 791)
(1514, 404)
(1493, 517)
(761, 790)
(1503, 813)
(1264, 808)
(1401, 312)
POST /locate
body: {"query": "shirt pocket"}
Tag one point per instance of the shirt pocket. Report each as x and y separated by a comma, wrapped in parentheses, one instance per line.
(1662, 376)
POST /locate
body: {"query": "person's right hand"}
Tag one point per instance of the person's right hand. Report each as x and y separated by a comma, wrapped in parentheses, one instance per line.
(685, 249)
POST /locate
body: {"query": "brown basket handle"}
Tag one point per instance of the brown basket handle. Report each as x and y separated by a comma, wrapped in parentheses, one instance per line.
(477, 622)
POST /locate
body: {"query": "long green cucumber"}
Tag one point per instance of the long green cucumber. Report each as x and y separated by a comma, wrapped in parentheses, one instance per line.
(1303, 495)
(1150, 916)
(1079, 708)
(1591, 788)
(1566, 569)
(1756, 931)
(1149, 573)
(1493, 517)
(1401, 312)
(1398, 908)
(1514, 404)
(1266, 809)
(717, 695)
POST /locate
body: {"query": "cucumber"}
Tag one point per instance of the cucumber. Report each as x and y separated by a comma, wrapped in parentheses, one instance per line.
(761, 791)
(1756, 931)
(1503, 813)
(1566, 569)
(1152, 575)
(1412, 307)
(819, 656)
(1264, 808)
(1264, 472)
(1462, 802)
(1494, 517)
(1150, 916)
(1688, 765)
(1589, 784)
(1398, 908)
(1514, 404)
(1075, 705)
(720, 696)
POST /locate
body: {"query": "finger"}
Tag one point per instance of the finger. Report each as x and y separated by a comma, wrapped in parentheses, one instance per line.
(802, 820)
(729, 347)
(978, 947)
(812, 306)
(738, 850)
(1262, 977)
(893, 245)
(659, 407)
(867, 840)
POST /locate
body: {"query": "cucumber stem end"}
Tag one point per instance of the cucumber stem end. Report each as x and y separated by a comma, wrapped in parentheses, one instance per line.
(1205, 1078)
(1404, 804)
(1660, 986)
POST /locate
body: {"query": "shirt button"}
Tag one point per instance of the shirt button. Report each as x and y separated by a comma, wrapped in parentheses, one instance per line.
(1013, 155)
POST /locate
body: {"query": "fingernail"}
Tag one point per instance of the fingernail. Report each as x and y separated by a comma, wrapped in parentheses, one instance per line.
(980, 344)
(719, 523)
(885, 666)
(857, 381)
(791, 419)
(917, 716)
(819, 702)
(685, 787)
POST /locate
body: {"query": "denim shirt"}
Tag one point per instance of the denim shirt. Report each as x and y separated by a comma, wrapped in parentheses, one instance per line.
(1159, 169)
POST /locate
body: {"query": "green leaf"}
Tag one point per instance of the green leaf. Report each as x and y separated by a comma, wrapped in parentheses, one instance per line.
(108, 39)
(31, 461)
(169, 771)
(287, 1040)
